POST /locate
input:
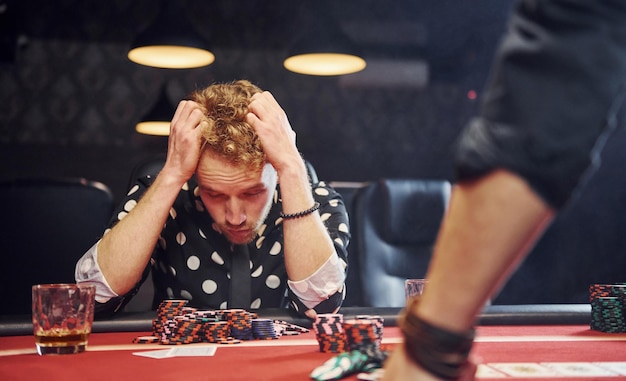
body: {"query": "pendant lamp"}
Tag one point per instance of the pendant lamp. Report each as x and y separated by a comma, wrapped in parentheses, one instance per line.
(322, 48)
(157, 120)
(171, 42)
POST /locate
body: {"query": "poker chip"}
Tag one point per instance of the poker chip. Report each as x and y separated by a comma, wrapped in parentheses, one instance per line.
(360, 334)
(146, 340)
(608, 307)
(329, 333)
(177, 323)
(358, 341)
(215, 331)
(182, 329)
(230, 341)
(289, 333)
(263, 329)
(286, 326)
(240, 323)
(378, 322)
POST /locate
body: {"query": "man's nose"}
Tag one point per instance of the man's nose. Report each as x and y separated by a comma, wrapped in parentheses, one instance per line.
(235, 213)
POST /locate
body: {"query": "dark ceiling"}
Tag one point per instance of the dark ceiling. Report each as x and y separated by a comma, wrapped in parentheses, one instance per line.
(440, 31)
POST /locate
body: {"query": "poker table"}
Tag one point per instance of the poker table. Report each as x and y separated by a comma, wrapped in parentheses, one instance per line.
(513, 342)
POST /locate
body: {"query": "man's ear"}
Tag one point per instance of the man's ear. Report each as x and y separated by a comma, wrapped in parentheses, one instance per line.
(269, 170)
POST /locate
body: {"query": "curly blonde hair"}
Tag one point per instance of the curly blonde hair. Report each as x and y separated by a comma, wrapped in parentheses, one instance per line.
(227, 133)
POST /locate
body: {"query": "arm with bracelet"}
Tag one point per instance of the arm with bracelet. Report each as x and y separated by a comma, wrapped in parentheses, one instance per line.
(308, 246)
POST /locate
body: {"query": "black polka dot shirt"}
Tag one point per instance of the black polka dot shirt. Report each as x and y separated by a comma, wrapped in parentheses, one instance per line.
(192, 259)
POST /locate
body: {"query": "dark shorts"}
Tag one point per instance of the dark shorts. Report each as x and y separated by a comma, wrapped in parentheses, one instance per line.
(556, 91)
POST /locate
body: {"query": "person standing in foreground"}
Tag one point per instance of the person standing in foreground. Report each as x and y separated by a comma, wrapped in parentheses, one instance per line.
(556, 93)
(233, 190)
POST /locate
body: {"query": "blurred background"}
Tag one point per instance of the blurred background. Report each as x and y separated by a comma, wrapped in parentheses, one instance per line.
(70, 99)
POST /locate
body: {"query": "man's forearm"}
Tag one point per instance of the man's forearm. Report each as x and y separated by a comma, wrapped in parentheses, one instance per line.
(124, 252)
(307, 245)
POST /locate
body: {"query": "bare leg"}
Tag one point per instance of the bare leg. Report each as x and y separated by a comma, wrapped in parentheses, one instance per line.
(491, 225)
(489, 228)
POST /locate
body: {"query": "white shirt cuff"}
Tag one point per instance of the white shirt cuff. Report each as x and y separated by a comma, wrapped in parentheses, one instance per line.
(326, 281)
(88, 271)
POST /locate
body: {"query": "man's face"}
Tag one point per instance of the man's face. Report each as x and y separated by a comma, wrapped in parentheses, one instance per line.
(237, 198)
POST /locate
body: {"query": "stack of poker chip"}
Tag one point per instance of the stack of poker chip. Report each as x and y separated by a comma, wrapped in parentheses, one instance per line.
(360, 334)
(177, 323)
(240, 322)
(608, 307)
(215, 331)
(329, 333)
(167, 310)
(181, 330)
(378, 322)
(264, 329)
(208, 315)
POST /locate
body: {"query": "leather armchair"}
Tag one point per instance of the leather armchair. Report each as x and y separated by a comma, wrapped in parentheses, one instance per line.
(47, 225)
(395, 223)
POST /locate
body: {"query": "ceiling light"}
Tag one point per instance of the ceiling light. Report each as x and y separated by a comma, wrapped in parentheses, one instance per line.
(323, 48)
(171, 42)
(157, 120)
(325, 63)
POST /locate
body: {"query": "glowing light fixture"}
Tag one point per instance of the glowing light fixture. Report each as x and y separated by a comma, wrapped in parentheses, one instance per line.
(157, 120)
(171, 42)
(323, 48)
(325, 63)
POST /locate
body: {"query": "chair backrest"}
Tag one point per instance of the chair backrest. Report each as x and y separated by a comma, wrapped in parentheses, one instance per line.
(150, 166)
(348, 189)
(46, 226)
(394, 225)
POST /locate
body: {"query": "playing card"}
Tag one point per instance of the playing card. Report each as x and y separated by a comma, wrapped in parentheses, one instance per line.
(618, 367)
(158, 354)
(484, 371)
(181, 351)
(578, 369)
(524, 369)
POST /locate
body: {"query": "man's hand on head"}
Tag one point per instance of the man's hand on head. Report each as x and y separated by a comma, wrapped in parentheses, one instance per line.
(272, 126)
(183, 151)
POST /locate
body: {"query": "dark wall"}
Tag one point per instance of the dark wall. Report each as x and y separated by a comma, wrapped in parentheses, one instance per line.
(69, 99)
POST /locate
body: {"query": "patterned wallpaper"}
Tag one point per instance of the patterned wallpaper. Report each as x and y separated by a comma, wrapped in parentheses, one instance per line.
(70, 98)
(71, 85)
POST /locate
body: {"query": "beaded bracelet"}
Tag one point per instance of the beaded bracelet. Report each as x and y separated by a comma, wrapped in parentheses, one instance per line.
(441, 352)
(303, 213)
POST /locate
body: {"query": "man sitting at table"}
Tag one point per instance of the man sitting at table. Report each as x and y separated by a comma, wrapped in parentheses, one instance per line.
(231, 221)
